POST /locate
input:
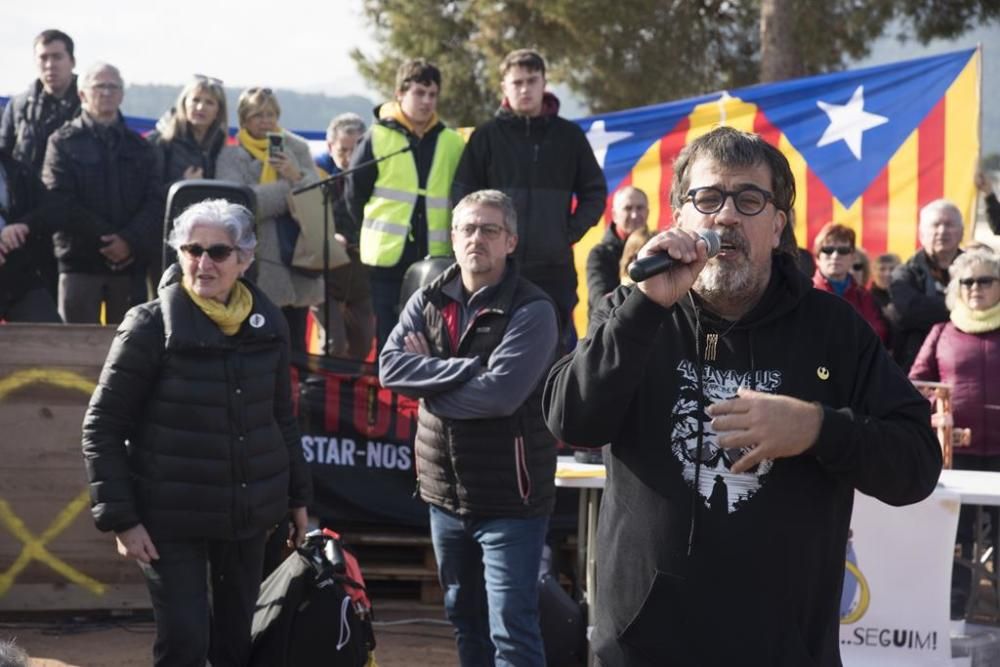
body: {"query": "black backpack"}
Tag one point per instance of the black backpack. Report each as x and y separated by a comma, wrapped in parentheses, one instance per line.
(305, 614)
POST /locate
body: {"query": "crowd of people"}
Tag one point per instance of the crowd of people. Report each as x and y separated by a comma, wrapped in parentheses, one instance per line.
(687, 357)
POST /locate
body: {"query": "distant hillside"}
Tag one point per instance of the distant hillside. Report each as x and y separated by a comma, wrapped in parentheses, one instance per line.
(299, 111)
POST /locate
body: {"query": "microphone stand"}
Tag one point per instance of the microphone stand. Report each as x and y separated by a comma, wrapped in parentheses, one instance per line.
(327, 184)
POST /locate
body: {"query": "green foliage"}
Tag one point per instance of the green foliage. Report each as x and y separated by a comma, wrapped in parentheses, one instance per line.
(630, 53)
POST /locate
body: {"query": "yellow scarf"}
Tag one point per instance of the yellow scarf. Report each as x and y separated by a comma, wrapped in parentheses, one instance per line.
(975, 321)
(392, 111)
(258, 149)
(227, 316)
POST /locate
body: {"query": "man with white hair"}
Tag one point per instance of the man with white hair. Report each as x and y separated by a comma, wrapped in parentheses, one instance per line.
(103, 174)
(629, 212)
(918, 286)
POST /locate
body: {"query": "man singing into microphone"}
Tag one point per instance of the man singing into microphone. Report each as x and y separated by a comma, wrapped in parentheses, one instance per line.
(743, 409)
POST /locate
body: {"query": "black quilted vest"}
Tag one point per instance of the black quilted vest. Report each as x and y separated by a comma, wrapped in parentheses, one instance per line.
(503, 466)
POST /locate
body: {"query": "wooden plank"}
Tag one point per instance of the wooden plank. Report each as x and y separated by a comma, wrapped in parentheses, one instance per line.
(60, 597)
(55, 345)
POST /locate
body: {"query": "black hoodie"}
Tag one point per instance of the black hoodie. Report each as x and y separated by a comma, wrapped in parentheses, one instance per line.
(747, 568)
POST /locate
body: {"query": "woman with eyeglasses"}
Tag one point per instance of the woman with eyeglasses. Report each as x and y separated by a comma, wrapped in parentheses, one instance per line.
(964, 352)
(273, 168)
(191, 447)
(835, 251)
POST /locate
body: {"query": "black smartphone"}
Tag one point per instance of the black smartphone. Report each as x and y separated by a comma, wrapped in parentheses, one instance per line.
(275, 143)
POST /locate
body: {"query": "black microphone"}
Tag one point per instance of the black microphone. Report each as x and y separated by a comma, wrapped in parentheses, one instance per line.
(651, 265)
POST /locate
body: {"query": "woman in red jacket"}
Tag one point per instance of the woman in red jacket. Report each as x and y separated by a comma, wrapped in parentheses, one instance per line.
(835, 254)
(965, 353)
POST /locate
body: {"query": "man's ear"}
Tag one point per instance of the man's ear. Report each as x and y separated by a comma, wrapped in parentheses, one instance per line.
(780, 222)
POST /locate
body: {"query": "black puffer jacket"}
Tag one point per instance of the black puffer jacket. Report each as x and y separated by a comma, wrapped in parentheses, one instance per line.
(191, 432)
(30, 118)
(104, 176)
(917, 305)
(541, 163)
(29, 204)
(602, 267)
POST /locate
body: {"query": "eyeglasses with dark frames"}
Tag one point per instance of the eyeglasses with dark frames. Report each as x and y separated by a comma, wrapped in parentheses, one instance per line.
(749, 200)
(218, 252)
(982, 281)
(858, 267)
(842, 250)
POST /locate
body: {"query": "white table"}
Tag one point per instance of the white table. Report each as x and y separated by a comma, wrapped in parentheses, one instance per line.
(974, 487)
(981, 489)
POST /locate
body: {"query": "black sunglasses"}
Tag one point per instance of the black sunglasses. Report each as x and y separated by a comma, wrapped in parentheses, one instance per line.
(749, 200)
(858, 267)
(263, 91)
(217, 253)
(982, 281)
(839, 249)
(210, 80)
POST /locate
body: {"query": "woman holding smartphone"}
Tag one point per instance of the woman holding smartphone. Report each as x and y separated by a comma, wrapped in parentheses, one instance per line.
(273, 162)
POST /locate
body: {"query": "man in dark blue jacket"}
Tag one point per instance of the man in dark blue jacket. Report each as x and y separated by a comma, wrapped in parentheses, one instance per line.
(542, 162)
(743, 408)
(474, 346)
(104, 175)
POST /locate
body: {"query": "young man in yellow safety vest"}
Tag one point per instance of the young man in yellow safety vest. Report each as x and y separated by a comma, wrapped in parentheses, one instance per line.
(402, 202)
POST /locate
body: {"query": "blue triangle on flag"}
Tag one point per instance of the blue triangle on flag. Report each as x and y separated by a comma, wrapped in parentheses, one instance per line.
(621, 138)
(849, 124)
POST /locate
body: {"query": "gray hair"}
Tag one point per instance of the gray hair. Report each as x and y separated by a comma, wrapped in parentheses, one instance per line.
(97, 68)
(345, 123)
(963, 265)
(11, 655)
(492, 198)
(235, 219)
(941, 206)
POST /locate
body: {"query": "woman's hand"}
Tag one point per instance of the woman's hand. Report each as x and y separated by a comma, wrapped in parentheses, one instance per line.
(135, 543)
(14, 235)
(286, 167)
(193, 172)
(298, 527)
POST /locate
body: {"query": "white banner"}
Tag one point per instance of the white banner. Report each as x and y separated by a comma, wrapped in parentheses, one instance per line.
(895, 605)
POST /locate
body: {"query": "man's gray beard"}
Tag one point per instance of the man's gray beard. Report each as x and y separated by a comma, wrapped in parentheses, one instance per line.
(727, 284)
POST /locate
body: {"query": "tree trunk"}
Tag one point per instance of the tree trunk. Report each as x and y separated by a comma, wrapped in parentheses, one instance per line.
(778, 51)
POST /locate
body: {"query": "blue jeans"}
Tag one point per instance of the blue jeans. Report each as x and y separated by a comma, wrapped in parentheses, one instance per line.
(489, 571)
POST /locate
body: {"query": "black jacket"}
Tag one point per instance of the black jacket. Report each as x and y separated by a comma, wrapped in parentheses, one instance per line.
(181, 152)
(504, 466)
(603, 272)
(29, 203)
(917, 304)
(762, 582)
(361, 184)
(541, 163)
(104, 177)
(189, 431)
(30, 118)
(993, 212)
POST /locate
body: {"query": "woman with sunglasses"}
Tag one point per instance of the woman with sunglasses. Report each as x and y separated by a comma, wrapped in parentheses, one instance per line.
(191, 448)
(835, 256)
(964, 352)
(273, 173)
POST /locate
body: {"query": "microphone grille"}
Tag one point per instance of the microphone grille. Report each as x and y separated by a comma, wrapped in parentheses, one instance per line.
(712, 240)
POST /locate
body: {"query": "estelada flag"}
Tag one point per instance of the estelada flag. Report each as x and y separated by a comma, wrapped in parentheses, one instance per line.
(868, 147)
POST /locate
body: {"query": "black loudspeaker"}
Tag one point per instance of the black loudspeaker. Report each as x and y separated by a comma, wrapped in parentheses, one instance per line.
(184, 193)
(563, 624)
(420, 274)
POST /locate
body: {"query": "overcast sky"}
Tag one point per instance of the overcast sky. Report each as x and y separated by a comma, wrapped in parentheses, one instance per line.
(288, 44)
(284, 43)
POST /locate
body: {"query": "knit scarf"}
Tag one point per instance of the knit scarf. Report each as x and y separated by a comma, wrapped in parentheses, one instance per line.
(258, 149)
(227, 316)
(975, 321)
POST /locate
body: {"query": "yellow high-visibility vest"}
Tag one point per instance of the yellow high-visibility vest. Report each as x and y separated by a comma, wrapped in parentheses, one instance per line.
(390, 208)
